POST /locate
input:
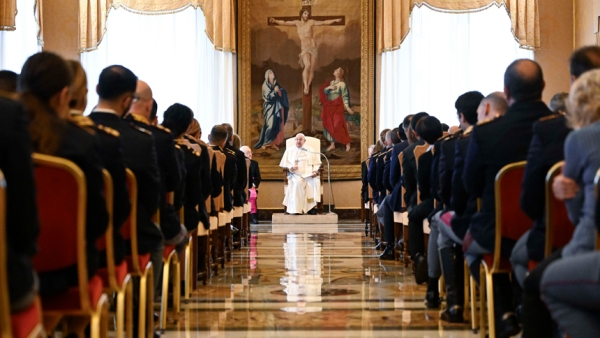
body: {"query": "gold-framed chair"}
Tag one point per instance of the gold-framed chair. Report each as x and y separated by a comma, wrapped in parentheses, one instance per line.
(170, 259)
(61, 196)
(511, 223)
(139, 266)
(27, 323)
(116, 279)
(314, 143)
(559, 228)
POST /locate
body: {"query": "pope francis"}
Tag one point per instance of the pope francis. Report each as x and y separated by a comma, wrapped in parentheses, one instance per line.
(304, 189)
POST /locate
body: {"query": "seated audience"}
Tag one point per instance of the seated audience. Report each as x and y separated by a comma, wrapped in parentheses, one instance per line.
(44, 86)
(303, 191)
(8, 84)
(253, 184)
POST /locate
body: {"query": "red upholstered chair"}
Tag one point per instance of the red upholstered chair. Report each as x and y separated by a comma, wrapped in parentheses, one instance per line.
(27, 323)
(61, 202)
(170, 257)
(139, 265)
(511, 223)
(116, 278)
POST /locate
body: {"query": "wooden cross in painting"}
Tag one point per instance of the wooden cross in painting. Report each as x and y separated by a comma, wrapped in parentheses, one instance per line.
(308, 55)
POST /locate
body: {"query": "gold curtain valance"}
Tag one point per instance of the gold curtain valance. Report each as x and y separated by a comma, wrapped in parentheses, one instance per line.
(219, 14)
(8, 10)
(393, 17)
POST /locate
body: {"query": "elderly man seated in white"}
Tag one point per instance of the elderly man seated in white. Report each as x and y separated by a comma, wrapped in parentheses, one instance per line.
(303, 189)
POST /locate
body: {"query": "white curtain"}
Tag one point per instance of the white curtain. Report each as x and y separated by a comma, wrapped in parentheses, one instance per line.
(172, 53)
(444, 56)
(16, 46)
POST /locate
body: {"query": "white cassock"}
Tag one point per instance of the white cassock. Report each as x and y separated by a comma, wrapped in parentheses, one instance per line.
(303, 191)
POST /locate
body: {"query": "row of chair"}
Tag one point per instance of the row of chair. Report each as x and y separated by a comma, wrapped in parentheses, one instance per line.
(61, 202)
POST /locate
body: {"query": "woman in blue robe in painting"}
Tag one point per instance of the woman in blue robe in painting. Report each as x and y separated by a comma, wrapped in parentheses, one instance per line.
(275, 112)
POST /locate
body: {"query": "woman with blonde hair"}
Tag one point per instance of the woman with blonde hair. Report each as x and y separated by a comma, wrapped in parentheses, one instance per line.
(571, 285)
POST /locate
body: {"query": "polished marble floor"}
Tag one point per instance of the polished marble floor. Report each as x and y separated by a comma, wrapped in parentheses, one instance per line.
(310, 281)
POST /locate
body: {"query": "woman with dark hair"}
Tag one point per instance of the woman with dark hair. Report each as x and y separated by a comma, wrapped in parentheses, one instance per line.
(275, 112)
(44, 86)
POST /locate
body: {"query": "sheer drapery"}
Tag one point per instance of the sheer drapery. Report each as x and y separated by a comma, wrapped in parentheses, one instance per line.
(393, 18)
(445, 55)
(219, 15)
(17, 45)
(173, 55)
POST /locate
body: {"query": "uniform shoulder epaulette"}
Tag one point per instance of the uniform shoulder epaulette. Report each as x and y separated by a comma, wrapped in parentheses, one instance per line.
(550, 117)
(137, 118)
(230, 151)
(486, 121)
(466, 132)
(84, 123)
(108, 130)
(165, 129)
(177, 146)
(140, 129)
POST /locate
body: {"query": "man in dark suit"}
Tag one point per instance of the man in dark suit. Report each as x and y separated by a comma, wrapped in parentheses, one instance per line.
(254, 182)
(171, 172)
(116, 89)
(493, 145)
(395, 165)
(22, 225)
(409, 180)
(8, 84)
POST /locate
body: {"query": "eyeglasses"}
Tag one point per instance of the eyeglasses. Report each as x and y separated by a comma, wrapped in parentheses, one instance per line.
(137, 97)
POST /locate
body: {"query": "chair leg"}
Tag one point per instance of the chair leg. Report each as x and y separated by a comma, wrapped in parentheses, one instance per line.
(482, 302)
(187, 268)
(165, 294)
(490, 303)
(176, 285)
(150, 309)
(144, 303)
(129, 309)
(120, 314)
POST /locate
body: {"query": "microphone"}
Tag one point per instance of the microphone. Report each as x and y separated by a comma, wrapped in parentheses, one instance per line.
(328, 172)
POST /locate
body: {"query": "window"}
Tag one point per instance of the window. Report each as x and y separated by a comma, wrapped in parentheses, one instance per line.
(444, 56)
(16, 46)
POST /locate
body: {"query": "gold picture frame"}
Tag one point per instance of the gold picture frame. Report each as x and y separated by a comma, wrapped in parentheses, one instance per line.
(256, 19)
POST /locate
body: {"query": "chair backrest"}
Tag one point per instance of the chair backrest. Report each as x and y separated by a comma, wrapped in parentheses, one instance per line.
(220, 200)
(559, 228)
(61, 202)
(400, 158)
(596, 187)
(511, 221)
(129, 228)
(106, 242)
(211, 155)
(419, 150)
(5, 329)
(312, 142)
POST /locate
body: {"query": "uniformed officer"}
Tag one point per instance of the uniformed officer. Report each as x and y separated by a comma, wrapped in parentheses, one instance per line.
(112, 159)
(171, 174)
(241, 181)
(116, 90)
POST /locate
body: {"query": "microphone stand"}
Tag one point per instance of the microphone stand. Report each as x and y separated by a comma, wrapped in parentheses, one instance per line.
(328, 175)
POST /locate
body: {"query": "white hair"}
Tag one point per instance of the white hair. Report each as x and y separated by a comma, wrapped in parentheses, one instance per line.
(302, 135)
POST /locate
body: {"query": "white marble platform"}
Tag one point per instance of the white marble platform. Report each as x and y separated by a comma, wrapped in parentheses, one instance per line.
(305, 219)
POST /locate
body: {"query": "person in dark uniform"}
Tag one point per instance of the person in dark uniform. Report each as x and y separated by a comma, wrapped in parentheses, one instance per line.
(428, 129)
(230, 170)
(493, 145)
(395, 165)
(112, 159)
(22, 224)
(171, 175)
(372, 172)
(409, 180)
(241, 181)
(116, 90)
(177, 118)
(386, 212)
(44, 86)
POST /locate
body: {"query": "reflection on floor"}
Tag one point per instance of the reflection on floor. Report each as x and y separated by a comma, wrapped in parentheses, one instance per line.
(311, 281)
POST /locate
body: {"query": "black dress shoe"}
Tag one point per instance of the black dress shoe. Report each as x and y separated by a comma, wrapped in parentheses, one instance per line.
(432, 300)
(421, 274)
(453, 314)
(312, 211)
(509, 326)
(388, 254)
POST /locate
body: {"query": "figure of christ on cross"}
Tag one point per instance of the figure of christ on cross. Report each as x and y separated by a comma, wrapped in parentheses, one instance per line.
(308, 46)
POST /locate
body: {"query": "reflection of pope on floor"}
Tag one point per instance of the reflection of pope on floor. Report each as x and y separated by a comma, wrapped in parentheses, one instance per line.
(303, 262)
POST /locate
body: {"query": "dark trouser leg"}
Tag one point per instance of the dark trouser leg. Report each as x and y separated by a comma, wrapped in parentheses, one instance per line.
(506, 321)
(537, 321)
(416, 238)
(454, 289)
(388, 224)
